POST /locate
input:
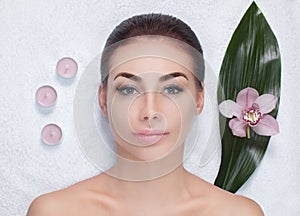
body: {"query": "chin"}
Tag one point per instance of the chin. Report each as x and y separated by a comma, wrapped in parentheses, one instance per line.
(142, 152)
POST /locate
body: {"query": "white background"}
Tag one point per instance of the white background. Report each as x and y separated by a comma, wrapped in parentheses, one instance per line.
(35, 34)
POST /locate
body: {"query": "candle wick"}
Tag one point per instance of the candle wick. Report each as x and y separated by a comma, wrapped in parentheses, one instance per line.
(52, 133)
(66, 68)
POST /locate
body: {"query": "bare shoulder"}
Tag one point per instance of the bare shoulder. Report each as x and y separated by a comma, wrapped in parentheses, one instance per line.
(221, 202)
(247, 206)
(48, 204)
(75, 200)
(238, 205)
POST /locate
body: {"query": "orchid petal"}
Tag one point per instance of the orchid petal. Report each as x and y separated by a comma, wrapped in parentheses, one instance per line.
(246, 97)
(266, 103)
(267, 126)
(238, 127)
(230, 108)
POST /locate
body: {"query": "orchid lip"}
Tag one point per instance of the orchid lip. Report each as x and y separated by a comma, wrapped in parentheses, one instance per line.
(252, 115)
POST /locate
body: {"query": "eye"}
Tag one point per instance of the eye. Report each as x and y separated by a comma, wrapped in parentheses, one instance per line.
(127, 90)
(172, 89)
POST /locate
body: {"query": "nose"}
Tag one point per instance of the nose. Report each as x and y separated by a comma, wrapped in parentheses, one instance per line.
(150, 109)
(151, 116)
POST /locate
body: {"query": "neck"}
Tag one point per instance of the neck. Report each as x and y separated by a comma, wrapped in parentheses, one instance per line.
(162, 191)
(157, 182)
(144, 170)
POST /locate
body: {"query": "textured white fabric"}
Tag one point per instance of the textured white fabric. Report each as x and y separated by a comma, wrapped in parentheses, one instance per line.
(34, 35)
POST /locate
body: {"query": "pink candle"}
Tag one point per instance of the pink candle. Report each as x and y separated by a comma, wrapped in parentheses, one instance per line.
(66, 67)
(46, 96)
(51, 134)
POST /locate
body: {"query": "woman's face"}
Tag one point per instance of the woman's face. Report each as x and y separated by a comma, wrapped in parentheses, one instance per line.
(150, 102)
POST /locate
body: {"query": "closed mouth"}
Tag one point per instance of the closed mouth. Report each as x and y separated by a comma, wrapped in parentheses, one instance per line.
(150, 137)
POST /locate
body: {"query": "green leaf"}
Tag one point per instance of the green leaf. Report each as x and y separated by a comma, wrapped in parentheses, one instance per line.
(252, 59)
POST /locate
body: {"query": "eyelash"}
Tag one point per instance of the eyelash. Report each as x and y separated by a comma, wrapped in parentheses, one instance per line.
(129, 90)
(175, 88)
(123, 90)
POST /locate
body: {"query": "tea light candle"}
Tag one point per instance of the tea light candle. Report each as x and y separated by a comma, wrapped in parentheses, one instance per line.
(51, 134)
(46, 96)
(66, 67)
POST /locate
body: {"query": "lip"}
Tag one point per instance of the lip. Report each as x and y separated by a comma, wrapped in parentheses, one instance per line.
(150, 137)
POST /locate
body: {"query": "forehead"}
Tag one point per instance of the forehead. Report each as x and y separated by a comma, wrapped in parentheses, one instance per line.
(152, 53)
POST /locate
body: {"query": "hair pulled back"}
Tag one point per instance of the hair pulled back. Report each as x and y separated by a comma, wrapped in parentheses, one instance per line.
(152, 24)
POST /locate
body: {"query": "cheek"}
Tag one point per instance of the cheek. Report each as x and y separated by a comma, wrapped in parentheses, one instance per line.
(179, 114)
(186, 112)
(171, 110)
(119, 114)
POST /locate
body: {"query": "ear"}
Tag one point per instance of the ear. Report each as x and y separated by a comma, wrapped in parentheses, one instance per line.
(200, 100)
(102, 96)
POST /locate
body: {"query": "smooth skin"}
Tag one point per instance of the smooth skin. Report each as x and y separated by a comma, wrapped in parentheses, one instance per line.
(147, 100)
(95, 196)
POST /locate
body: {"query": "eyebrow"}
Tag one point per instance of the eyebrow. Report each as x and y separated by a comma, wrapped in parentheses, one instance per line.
(161, 79)
(129, 76)
(172, 75)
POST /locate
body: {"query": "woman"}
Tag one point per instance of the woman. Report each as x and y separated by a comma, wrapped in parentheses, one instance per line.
(152, 88)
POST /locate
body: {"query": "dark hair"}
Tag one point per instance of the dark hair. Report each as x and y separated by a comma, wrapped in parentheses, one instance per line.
(152, 24)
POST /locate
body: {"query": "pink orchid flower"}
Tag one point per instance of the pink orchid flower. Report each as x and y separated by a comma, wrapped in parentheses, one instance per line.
(250, 111)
